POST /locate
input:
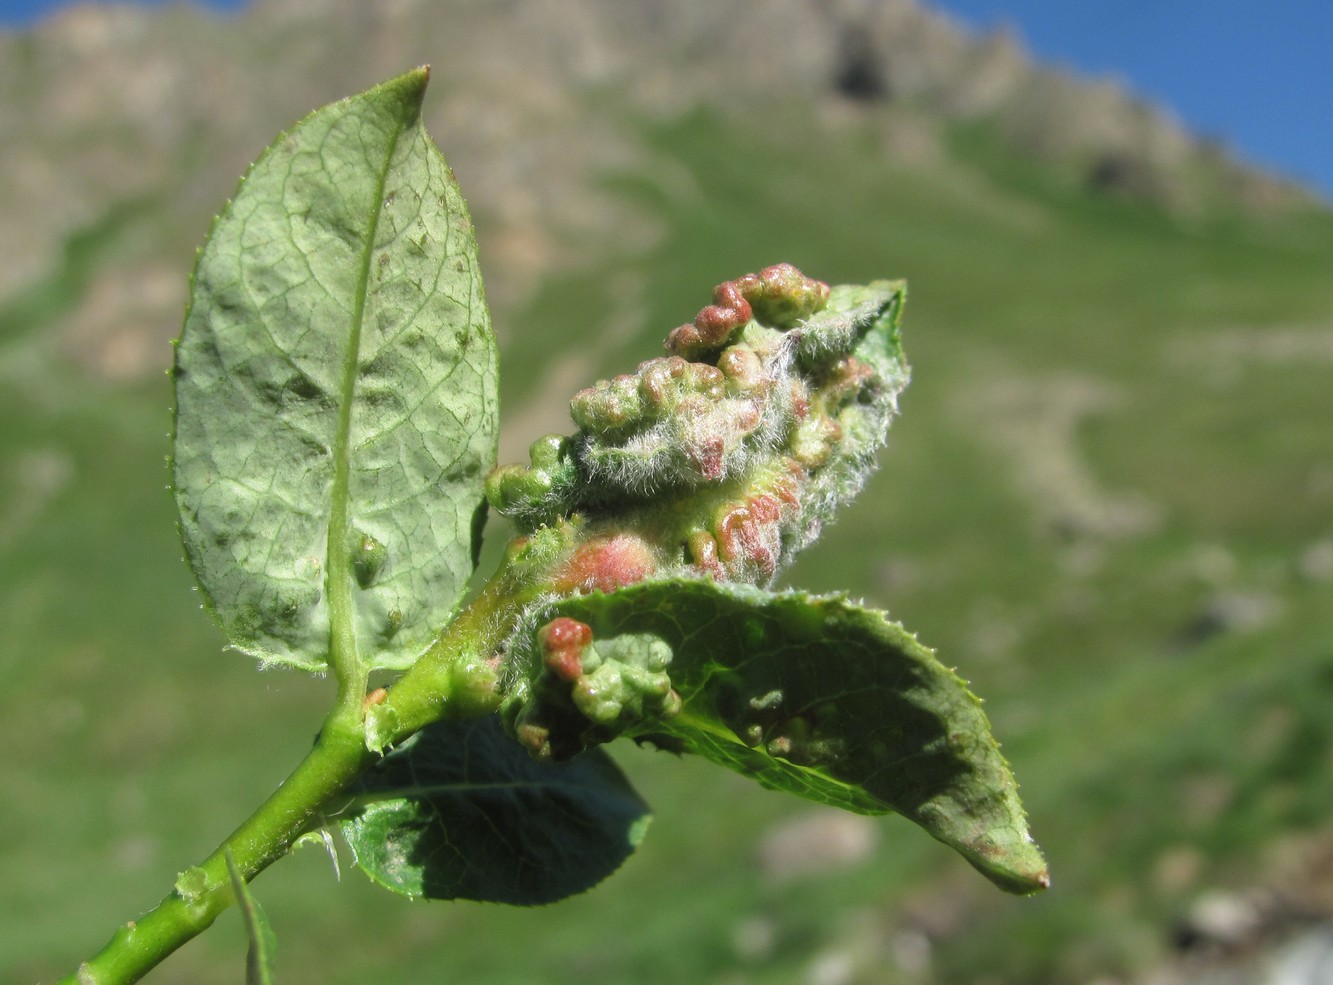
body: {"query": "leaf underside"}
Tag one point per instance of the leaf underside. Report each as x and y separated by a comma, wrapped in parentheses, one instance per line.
(462, 812)
(336, 390)
(825, 699)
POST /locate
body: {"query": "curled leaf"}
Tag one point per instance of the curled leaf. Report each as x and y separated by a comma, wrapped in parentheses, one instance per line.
(729, 454)
(813, 695)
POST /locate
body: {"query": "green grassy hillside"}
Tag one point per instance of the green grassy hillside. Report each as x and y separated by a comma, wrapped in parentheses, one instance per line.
(1107, 502)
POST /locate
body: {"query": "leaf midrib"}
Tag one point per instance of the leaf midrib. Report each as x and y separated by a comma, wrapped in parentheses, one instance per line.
(344, 655)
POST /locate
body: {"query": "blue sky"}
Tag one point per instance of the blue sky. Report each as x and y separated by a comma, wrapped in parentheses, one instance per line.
(1254, 74)
(20, 12)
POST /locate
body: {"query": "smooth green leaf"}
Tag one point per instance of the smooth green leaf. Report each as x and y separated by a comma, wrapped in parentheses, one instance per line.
(258, 931)
(336, 392)
(460, 811)
(813, 695)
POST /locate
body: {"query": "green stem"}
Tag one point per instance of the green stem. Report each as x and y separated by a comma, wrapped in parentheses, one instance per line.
(205, 891)
(461, 664)
(455, 678)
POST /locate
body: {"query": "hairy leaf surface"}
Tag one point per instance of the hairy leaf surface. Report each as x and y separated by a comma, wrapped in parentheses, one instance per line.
(823, 698)
(460, 811)
(336, 391)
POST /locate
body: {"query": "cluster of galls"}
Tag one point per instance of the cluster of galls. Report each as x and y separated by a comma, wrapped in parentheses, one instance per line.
(589, 693)
(724, 457)
(779, 296)
(699, 416)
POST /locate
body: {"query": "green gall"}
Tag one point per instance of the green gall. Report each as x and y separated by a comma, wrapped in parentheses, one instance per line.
(813, 442)
(368, 558)
(509, 487)
(538, 494)
(549, 453)
(609, 406)
(743, 368)
(193, 884)
(572, 692)
(781, 296)
(664, 381)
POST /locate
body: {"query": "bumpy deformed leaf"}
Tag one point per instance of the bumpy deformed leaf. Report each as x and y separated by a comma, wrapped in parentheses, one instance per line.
(460, 811)
(813, 695)
(735, 449)
(335, 386)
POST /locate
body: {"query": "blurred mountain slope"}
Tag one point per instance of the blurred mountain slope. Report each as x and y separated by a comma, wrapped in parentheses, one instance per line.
(129, 124)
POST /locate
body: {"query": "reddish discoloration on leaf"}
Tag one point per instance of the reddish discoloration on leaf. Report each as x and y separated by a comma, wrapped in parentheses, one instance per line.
(535, 739)
(729, 295)
(708, 455)
(563, 641)
(604, 564)
(746, 541)
(563, 633)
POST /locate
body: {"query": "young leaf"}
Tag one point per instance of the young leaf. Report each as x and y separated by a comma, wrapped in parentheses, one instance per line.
(258, 931)
(460, 811)
(336, 392)
(813, 695)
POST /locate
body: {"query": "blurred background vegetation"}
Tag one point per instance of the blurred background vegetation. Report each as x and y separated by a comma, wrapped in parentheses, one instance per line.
(1109, 501)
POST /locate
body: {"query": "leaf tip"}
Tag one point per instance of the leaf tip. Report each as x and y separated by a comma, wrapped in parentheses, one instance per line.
(1019, 870)
(416, 80)
(407, 91)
